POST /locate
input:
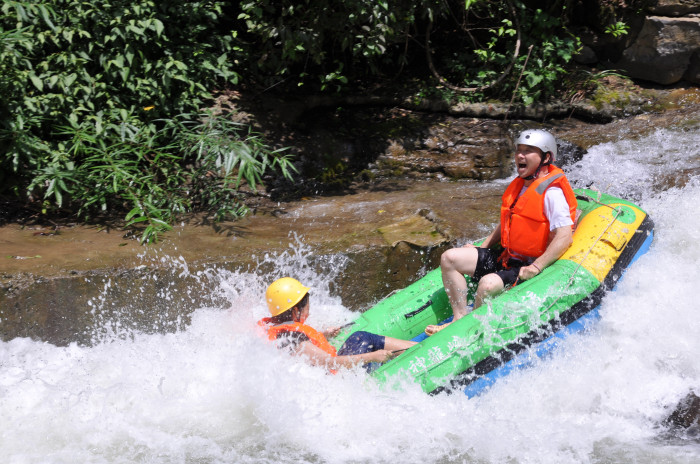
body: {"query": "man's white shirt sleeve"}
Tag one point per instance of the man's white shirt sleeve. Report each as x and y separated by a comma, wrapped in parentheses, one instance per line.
(556, 208)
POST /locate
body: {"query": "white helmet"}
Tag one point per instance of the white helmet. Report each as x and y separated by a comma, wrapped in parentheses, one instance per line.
(541, 139)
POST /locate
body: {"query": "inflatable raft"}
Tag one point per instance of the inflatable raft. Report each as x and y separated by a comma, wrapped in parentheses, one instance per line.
(526, 320)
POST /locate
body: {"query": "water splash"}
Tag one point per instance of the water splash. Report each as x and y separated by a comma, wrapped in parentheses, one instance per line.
(211, 390)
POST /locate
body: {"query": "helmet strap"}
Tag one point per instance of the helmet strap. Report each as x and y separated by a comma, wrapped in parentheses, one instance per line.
(534, 174)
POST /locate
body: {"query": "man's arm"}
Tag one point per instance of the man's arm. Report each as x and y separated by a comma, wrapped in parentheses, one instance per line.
(561, 241)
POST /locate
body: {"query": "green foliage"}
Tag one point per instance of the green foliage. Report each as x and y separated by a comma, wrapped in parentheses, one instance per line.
(81, 88)
(324, 43)
(618, 29)
(481, 43)
(545, 68)
(86, 57)
(159, 171)
(469, 3)
(335, 175)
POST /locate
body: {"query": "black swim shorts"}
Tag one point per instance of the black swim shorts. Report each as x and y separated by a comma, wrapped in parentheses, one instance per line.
(488, 262)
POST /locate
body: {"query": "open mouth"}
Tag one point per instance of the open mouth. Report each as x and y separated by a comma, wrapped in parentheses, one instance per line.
(522, 165)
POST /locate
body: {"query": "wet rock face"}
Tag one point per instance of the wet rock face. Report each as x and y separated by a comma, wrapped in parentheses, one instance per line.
(568, 153)
(675, 7)
(464, 148)
(687, 413)
(84, 307)
(457, 148)
(662, 46)
(375, 241)
(338, 146)
(665, 51)
(373, 274)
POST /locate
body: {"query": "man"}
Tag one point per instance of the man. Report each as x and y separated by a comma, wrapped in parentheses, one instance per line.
(538, 211)
(288, 302)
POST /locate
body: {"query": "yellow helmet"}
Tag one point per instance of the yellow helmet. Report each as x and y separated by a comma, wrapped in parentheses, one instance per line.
(283, 294)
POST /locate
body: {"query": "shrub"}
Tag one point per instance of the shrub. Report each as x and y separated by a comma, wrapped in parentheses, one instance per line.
(89, 91)
(159, 171)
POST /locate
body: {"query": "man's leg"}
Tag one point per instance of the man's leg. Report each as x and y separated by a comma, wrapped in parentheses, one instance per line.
(363, 342)
(455, 263)
(489, 285)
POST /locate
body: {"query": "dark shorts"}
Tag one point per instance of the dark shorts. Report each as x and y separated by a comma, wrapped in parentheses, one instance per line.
(488, 262)
(361, 342)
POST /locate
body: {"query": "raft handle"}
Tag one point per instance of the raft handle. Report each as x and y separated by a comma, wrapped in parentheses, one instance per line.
(419, 310)
(617, 244)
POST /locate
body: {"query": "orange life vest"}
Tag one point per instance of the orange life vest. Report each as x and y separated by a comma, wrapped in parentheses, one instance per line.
(524, 226)
(315, 337)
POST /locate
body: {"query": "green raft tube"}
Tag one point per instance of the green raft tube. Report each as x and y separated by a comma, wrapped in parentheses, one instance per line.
(502, 334)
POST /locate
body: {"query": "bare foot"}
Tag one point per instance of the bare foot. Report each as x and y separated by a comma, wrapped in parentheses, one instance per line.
(433, 329)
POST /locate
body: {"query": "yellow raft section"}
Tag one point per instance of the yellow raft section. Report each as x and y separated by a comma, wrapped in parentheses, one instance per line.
(601, 236)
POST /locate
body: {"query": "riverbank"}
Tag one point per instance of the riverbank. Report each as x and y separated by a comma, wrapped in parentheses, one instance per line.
(49, 249)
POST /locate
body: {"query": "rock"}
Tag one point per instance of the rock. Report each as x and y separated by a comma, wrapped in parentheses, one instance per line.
(663, 50)
(416, 230)
(454, 147)
(586, 56)
(686, 414)
(675, 7)
(692, 74)
(568, 153)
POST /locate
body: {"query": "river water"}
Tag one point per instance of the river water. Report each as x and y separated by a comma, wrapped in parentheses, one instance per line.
(215, 392)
